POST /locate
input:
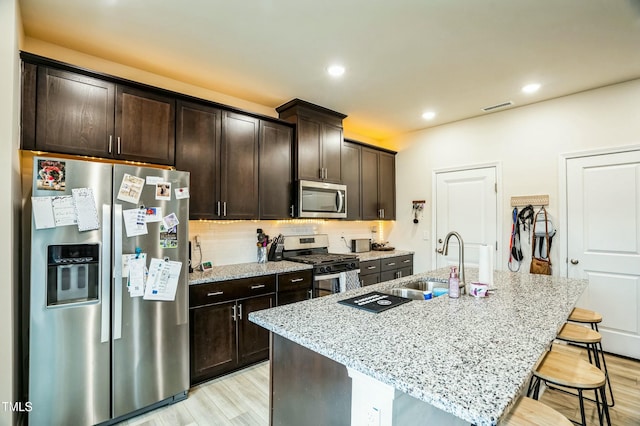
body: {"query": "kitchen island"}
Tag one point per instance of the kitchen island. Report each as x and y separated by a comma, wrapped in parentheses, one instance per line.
(460, 360)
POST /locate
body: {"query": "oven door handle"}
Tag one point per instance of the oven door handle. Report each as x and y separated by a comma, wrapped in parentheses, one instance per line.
(326, 277)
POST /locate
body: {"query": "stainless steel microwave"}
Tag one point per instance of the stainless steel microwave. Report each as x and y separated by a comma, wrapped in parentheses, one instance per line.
(322, 200)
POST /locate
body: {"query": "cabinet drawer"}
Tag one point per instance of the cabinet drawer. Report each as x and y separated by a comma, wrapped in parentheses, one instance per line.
(370, 267)
(207, 294)
(397, 262)
(298, 280)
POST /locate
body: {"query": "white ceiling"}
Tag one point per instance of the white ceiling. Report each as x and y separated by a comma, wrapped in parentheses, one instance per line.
(402, 57)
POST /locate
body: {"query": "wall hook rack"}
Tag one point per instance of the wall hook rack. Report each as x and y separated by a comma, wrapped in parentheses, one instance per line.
(418, 206)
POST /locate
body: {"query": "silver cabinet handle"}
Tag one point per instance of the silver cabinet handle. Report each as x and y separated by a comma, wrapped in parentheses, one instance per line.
(110, 143)
(391, 264)
(296, 280)
(233, 312)
(291, 210)
(224, 209)
(254, 287)
(218, 208)
(310, 294)
(406, 261)
(215, 293)
(574, 261)
(240, 311)
(382, 213)
(371, 267)
(119, 145)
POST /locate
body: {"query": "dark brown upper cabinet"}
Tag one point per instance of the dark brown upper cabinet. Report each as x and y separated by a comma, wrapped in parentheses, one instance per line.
(351, 172)
(378, 185)
(276, 171)
(83, 115)
(318, 140)
(198, 133)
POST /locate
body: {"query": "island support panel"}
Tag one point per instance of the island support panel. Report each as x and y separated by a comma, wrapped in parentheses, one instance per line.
(306, 387)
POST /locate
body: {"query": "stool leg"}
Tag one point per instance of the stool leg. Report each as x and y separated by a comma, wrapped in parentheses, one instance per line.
(582, 416)
(606, 373)
(605, 406)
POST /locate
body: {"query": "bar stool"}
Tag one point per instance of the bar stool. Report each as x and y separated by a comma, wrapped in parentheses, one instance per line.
(572, 372)
(585, 316)
(591, 340)
(529, 412)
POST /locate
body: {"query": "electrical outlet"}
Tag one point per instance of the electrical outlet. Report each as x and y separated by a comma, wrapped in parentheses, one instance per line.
(197, 240)
(373, 417)
(374, 229)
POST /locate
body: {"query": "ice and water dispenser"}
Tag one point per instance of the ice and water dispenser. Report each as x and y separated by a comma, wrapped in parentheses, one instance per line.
(73, 273)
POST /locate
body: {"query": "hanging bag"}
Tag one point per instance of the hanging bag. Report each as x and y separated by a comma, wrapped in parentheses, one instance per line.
(515, 252)
(540, 265)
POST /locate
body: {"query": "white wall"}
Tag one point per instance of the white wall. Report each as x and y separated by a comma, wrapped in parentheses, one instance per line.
(526, 141)
(9, 198)
(225, 243)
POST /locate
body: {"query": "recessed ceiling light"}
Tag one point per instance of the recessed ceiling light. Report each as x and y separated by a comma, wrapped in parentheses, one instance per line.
(335, 70)
(429, 115)
(531, 88)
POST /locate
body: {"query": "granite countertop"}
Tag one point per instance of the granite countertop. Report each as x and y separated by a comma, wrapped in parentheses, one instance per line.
(244, 270)
(469, 357)
(254, 269)
(375, 254)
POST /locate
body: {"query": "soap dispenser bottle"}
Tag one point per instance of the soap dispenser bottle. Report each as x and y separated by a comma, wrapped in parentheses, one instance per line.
(454, 283)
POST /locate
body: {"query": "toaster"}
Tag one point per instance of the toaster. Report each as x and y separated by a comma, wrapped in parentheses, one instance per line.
(360, 245)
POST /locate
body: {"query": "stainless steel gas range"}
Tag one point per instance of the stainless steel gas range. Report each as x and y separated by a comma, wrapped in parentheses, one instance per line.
(332, 272)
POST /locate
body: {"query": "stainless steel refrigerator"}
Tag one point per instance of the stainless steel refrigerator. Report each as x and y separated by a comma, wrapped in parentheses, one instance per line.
(98, 346)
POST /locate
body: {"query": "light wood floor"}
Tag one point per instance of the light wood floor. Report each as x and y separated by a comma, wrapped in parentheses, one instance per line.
(242, 398)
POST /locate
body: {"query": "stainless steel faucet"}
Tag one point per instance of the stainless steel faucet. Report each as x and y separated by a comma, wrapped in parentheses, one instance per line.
(445, 251)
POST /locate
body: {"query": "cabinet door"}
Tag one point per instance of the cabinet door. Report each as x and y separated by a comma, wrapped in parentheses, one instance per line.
(332, 152)
(253, 340)
(145, 126)
(387, 185)
(308, 150)
(239, 166)
(74, 113)
(213, 341)
(276, 172)
(369, 279)
(370, 208)
(351, 178)
(198, 130)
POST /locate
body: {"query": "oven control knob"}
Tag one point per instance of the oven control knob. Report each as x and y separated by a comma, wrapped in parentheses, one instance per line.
(352, 265)
(322, 269)
(328, 269)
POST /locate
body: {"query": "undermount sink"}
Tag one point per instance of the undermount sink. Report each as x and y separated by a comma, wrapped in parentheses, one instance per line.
(429, 284)
(408, 293)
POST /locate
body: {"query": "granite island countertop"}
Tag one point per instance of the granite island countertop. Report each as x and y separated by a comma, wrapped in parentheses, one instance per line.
(469, 357)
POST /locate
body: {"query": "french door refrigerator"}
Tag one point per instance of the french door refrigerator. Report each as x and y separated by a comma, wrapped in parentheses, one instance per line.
(106, 302)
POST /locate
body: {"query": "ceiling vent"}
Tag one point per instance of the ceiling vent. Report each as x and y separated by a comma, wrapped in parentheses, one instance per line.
(497, 106)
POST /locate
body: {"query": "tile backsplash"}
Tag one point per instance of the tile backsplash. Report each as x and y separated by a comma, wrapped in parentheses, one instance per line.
(226, 243)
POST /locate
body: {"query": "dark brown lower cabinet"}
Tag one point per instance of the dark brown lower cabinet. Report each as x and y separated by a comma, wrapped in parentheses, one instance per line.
(222, 338)
(386, 269)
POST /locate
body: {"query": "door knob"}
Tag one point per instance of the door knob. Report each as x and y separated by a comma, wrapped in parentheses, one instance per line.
(574, 261)
(439, 251)
(440, 240)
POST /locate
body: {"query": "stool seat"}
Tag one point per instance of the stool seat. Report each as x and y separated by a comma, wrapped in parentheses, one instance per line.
(578, 334)
(585, 316)
(567, 370)
(528, 411)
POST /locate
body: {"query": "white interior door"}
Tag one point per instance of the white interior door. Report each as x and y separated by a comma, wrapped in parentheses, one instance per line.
(603, 231)
(466, 202)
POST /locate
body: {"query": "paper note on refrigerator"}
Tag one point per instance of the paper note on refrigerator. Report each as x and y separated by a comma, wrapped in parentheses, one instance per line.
(136, 274)
(135, 222)
(130, 188)
(64, 210)
(162, 281)
(86, 210)
(43, 212)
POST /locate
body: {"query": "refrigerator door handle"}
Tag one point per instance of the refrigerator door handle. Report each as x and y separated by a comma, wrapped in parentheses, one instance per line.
(106, 274)
(117, 272)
